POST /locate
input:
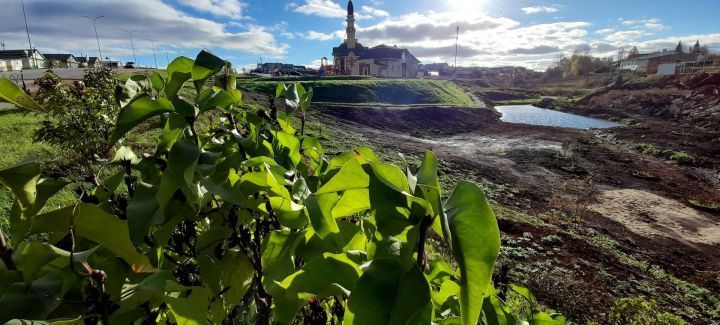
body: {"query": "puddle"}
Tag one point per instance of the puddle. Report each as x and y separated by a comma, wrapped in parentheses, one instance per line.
(528, 114)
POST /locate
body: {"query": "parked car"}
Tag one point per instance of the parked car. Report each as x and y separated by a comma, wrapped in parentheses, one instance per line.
(131, 65)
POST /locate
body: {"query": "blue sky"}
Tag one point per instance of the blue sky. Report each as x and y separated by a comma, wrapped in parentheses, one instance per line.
(508, 32)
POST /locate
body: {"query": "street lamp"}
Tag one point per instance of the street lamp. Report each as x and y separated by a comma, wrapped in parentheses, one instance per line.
(132, 44)
(153, 47)
(28, 35)
(96, 34)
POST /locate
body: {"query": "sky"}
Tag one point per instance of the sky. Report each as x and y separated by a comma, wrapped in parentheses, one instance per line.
(525, 33)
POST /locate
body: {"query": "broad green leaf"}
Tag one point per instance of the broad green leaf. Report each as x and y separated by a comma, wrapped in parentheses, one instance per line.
(157, 81)
(36, 301)
(320, 212)
(125, 154)
(388, 293)
(391, 176)
(191, 310)
(475, 245)
(107, 188)
(182, 164)
(11, 93)
(233, 273)
(136, 112)
(280, 90)
(219, 99)
(22, 180)
(351, 202)
(95, 224)
(334, 274)
(448, 289)
(438, 271)
(134, 87)
(57, 321)
(32, 256)
(351, 176)
(205, 66)
(179, 71)
(287, 149)
(496, 312)
(141, 212)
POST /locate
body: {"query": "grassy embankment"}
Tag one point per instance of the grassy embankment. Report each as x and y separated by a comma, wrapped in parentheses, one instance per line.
(396, 92)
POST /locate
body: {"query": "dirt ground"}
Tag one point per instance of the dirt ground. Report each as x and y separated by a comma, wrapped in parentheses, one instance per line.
(622, 216)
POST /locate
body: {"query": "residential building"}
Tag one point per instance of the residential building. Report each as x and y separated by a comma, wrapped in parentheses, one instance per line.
(61, 61)
(88, 62)
(23, 59)
(648, 63)
(440, 69)
(352, 58)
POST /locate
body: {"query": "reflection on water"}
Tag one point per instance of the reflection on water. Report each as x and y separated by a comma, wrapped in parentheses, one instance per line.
(527, 114)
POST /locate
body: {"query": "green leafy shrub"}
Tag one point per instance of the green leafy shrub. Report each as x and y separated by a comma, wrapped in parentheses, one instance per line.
(246, 221)
(80, 116)
(642, 312)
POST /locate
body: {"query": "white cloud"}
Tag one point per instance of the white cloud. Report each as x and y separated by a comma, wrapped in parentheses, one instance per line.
(605, 31)
(221, 8)
(374, 12)
(322, 8)
(539, 9)
(625, 37)
(318, 36)
(652, 23)
(55, 25)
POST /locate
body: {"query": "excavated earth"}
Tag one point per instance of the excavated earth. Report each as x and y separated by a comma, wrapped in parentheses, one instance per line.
(601, 187)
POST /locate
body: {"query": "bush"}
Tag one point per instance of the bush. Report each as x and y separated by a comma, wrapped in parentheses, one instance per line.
(80, 116)
(246, 222)
(642, 312)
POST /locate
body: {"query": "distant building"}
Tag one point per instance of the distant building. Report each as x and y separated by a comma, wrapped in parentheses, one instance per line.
(440, 69)
(648, 63)
(112, 64)
(352, 58)
(88, 62)
(61, 61)
(23, 59)
(280, 68)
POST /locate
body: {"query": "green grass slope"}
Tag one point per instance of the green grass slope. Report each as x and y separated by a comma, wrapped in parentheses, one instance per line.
(395, 91)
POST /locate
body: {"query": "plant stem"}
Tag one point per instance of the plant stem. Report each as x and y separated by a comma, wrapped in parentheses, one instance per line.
(302, 124)
(6, 254)
(424, 225)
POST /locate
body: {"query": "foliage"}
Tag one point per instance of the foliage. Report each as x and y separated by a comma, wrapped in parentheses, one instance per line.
(244, 222)
(681, 157)
(79, 116)
(642, 312)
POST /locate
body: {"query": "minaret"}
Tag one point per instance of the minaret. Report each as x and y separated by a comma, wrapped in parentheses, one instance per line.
(350, 41)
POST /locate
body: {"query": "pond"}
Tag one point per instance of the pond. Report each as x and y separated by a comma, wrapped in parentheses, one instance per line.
(528, 114)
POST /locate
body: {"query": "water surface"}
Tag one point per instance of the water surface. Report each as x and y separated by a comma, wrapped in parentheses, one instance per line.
(528, 114)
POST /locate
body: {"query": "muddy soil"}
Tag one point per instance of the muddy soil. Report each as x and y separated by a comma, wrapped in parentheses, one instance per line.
(596, 178)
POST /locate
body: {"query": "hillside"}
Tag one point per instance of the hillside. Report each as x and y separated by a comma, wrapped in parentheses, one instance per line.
(398, 92)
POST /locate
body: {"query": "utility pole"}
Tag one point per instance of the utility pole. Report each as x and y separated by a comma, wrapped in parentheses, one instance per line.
(132, 44)
(167, 58)
(2, 43)
(96, 34)
(28, 35)
(457, 38)
(153, 47)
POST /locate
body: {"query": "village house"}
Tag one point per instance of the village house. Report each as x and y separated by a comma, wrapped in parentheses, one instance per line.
(650, 62)
(88, 62)
(23, 59)
(352, 58)
(61, 61)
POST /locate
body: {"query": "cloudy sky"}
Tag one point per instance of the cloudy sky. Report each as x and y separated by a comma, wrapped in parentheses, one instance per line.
(492, 32)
